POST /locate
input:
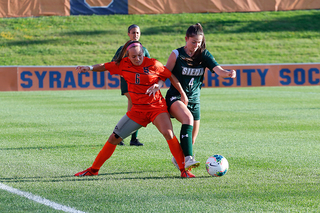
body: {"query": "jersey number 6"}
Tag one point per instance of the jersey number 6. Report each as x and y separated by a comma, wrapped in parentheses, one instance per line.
(137, 78)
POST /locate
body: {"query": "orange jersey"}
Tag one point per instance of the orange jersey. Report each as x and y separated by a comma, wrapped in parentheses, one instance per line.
(139, 79)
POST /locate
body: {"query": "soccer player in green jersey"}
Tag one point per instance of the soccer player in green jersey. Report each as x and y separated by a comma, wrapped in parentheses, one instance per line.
(188, 64)
(134, 35)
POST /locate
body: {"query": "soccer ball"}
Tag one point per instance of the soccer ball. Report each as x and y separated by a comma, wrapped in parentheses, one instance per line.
(217, 165)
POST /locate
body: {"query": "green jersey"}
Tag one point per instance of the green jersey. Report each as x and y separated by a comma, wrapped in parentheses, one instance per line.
(190, 77)
(145, 53)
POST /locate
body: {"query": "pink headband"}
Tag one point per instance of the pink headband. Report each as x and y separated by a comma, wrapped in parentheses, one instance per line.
(134, 45)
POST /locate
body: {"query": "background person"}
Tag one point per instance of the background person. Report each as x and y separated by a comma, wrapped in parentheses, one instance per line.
(134, 35)
(140, 73)
(188, 64)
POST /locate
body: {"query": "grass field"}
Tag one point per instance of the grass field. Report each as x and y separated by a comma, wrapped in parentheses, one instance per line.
(270, 136)
(232, 38)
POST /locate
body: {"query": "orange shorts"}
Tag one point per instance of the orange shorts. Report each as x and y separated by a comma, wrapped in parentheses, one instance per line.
(144, 118)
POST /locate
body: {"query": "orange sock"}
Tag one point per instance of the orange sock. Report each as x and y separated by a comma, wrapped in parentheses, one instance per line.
(103, 155)
(176, 151)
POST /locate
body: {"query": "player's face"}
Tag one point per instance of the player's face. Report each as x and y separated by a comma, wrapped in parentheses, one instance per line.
(134, 34)
(193, 43)
(135, 54)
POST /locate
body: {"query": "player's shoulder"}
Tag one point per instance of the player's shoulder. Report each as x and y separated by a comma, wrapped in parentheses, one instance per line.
(125, 62)
(151, 60)
(180, 50)
(207, 54)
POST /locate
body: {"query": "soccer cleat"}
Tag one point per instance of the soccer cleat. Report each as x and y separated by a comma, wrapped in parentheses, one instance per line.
(87, 172)
(187, 174)
(191, 163)
(121, 143)
(136, 142)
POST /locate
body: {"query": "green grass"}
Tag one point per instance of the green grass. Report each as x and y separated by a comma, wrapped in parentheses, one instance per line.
(270, 136)
(232, 38)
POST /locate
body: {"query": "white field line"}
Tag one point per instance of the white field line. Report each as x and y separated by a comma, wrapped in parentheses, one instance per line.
(39, 199)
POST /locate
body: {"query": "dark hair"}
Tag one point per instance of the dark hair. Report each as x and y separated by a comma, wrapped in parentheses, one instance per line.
(132, 26)
(196, 59)
(123, 52)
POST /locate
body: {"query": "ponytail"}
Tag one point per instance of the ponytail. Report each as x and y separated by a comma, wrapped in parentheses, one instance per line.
(196, 59)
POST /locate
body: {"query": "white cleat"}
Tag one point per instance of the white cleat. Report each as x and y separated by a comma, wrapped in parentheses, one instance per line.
(190, 163)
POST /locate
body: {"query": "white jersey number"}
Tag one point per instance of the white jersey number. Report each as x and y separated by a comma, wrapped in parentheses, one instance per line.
(191, 82)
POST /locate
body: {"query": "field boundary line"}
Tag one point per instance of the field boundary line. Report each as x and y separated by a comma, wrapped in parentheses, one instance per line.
(39, 199)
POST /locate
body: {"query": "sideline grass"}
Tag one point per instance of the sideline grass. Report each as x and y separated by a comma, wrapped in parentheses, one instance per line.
(232, 38)
(270, 136)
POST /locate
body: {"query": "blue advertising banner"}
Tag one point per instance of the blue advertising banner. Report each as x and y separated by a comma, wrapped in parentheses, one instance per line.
(67, 78)
(98, 7)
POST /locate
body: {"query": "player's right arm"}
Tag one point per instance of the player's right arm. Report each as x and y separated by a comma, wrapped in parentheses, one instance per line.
(171, 61)
(95, 68)
(110, 66)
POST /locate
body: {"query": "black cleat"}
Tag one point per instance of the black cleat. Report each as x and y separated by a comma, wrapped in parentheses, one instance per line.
(136, 142)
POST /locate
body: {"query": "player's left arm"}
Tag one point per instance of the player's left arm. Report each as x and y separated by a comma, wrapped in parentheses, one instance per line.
(212, 64)
(155, 88)
(224, 73)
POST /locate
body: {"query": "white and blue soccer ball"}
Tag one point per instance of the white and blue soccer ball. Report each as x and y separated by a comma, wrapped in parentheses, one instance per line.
(217, 165)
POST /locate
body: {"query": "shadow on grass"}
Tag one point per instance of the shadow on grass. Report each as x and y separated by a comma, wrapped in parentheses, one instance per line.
(53, 147)
(33, 42)
(104, 176)
(60, 38)
(308, 22)
(90, 33)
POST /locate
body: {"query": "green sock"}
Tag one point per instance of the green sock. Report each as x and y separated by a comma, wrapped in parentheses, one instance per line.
(186, 139)
(134, 136)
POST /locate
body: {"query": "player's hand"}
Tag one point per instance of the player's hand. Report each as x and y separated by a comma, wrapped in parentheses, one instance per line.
(153, 89)
(82, 69)
(184, 99)
(232, 74)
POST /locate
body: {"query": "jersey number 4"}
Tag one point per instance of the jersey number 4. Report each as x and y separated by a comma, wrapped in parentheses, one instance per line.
(191, 82)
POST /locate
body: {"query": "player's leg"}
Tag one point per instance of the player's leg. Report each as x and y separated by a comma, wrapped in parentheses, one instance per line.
(134, 141)
(195, 111)
(164, 125)
(123, 129)
(104, 154)
(195, 131)
(181, 112)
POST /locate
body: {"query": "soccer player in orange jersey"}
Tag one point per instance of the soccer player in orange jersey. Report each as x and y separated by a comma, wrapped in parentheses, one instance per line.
(140, 73)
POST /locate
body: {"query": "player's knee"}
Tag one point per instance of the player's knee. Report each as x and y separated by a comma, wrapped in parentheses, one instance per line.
(187, 119)
(114, 138)
(167, 135)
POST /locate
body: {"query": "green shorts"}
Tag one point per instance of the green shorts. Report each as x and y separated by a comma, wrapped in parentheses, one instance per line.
(123, 85)
(193, 107)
